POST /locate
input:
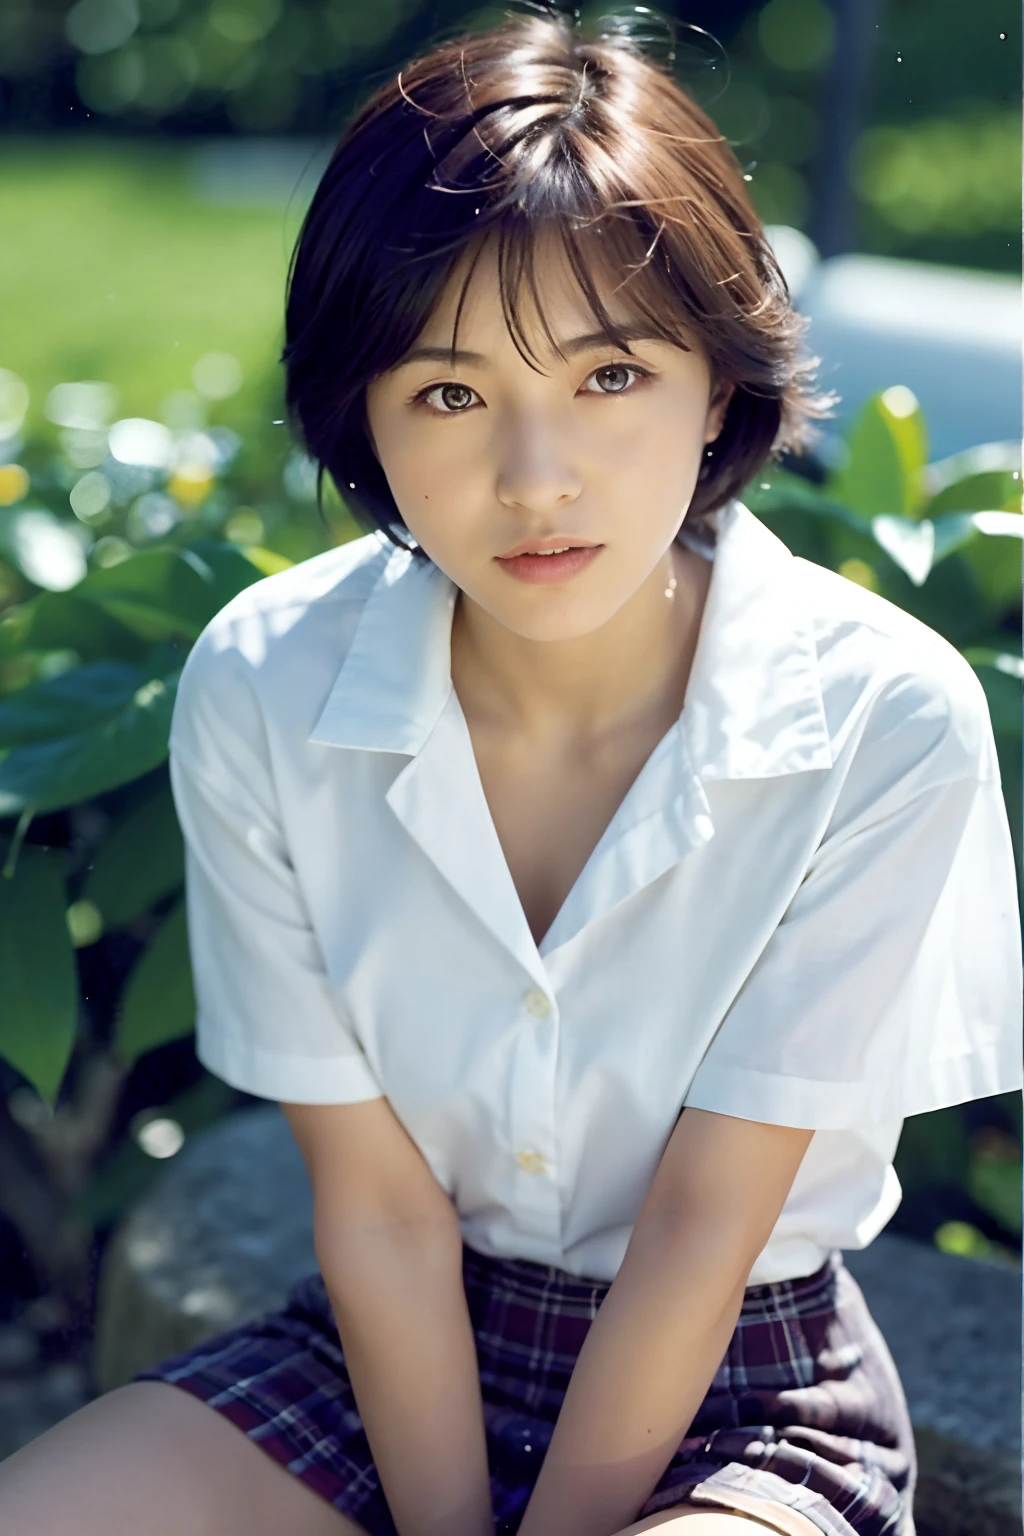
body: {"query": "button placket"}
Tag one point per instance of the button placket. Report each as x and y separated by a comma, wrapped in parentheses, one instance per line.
(532, 1117)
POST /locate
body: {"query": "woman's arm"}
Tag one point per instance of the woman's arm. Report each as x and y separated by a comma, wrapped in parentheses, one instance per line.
(390, 1251)
(664, 1327)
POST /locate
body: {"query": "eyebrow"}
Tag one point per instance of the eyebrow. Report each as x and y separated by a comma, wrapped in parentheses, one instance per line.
(589, 342)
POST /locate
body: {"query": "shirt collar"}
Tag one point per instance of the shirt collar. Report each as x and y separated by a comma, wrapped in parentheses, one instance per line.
(753, 706)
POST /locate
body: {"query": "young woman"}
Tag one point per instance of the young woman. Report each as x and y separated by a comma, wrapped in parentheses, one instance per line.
(597, 885)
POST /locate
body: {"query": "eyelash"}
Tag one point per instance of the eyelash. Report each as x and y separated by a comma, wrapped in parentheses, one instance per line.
(643, 374)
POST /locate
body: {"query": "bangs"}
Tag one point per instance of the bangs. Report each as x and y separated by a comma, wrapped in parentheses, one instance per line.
(499, 141)
(601, 259)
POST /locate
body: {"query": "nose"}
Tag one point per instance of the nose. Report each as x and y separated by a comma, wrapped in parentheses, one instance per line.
(537, 468)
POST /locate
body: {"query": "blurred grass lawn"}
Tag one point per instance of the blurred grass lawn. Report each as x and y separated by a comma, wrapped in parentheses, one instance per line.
(113, 267)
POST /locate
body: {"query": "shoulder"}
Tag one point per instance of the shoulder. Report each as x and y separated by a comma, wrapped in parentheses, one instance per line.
(276, 647)
(893, 687)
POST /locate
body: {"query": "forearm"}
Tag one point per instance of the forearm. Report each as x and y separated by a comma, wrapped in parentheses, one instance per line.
(643, 1371)
(400, 1306)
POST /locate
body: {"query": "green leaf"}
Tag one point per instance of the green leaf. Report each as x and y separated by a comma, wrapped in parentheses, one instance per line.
(995, 1184)
(888, 452)
(995, 560)
(974, 493)
(129, 741)
(910, 544)
(233, 569)
(784, 492)
(38, 986)
(988, 475)
(142, 861)
(59, 621)
(158, 1003)
(68, 703)
(949, 601)
(916, 545)
(267, 561)
(163, 592)
(1000, 674)
(156, 593)
(933, 1149)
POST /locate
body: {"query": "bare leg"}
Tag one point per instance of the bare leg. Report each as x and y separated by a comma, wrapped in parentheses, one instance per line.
(151, 1458)
(720, 1522)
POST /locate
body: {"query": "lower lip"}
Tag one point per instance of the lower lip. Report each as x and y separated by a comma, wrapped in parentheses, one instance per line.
(546, 568)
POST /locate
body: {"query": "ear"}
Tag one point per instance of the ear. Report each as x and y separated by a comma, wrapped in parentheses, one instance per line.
(717, 409)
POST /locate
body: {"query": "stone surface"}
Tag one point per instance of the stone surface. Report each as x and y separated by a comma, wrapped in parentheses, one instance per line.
(953, 1326)
(225, 1232)
(32, 1404)
(228, 1229)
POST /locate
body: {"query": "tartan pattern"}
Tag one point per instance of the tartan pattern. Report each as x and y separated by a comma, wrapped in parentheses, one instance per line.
(806, 1408)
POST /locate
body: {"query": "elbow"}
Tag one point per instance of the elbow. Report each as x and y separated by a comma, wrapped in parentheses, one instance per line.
(361, 1255)
(700, 1242)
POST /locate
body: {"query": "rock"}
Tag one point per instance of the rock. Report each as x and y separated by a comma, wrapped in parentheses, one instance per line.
(32, 1404)
(19, 1349)
(954, 1328)
(228, 1228)
(225, 1232)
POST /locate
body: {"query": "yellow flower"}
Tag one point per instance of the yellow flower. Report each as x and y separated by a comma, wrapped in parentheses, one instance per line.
(190, 484)
(860, 572)
(13, 484)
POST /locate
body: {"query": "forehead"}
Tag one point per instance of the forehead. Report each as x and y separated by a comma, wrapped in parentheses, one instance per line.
(535, 293)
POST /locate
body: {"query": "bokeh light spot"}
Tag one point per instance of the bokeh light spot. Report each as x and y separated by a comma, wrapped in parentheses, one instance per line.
(299, 476)
(151, 516)
(217, 375)
(83, 407)
(85, 923)
(190, 484)
(90, 498)
(244, 526)
(860, 572)
(159, 1136)
(47, 551)
(135, 440)
(900, 401)
(108, 551)
(98, 26)
(13, 403)
(244, 21)
(797, 34)
(14, 484)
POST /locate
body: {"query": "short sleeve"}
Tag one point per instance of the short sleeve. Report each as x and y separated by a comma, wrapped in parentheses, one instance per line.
(892, 985)
(267, 1021)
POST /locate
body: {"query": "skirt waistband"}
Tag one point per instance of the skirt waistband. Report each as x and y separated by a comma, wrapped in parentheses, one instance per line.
(533, 1283)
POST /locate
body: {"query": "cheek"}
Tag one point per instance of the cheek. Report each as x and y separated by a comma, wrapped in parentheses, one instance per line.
(653, 460)
(428, 468)
(437, 490)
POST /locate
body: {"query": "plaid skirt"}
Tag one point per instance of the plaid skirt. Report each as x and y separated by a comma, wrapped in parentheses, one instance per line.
(805, 1410)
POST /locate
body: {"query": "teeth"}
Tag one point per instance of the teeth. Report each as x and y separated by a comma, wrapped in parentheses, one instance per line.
(562, 551)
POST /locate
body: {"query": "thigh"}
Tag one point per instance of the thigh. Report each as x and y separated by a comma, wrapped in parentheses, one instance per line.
(151, 1458)
(687, 1521)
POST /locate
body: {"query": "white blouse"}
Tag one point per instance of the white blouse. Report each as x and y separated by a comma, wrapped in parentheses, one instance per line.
(803, 912)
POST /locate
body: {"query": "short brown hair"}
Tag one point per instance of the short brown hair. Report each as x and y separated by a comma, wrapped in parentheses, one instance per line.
(502, 134)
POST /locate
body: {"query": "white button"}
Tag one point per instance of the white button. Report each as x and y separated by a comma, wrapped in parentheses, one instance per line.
(531, 1162)
(537, 1004)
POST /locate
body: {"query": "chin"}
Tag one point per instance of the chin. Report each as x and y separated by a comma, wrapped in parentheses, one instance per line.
(564, 620)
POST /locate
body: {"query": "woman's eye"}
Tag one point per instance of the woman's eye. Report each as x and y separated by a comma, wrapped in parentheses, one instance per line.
(448, 399)
(614, 378)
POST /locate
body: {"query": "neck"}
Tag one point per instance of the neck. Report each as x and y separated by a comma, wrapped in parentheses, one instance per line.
(581, 688)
